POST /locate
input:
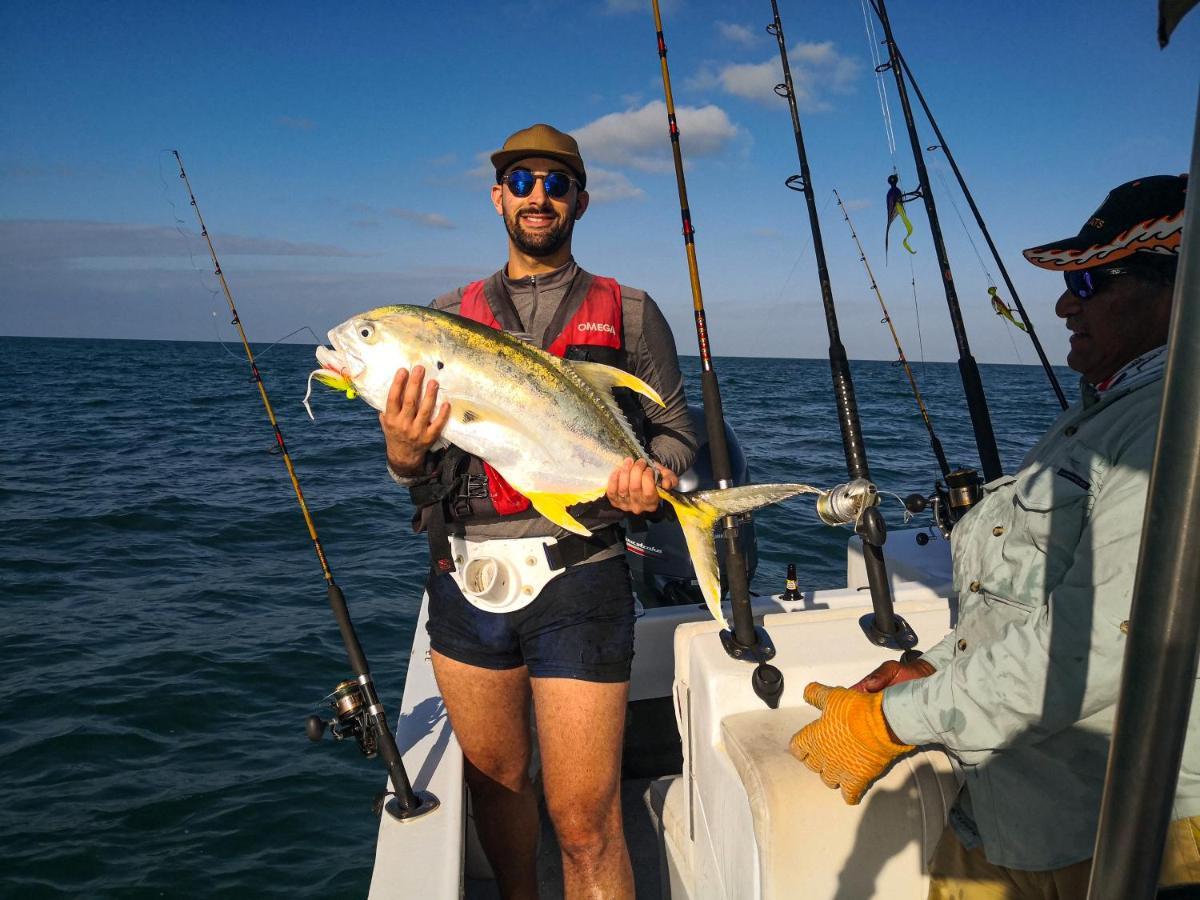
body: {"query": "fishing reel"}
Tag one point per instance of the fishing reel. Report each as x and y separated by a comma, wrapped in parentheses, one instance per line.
(950, 501)
(350, 711)
(846, 503)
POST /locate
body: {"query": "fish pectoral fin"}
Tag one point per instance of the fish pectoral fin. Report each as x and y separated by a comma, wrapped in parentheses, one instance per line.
(604, 378)
(483, 419)
(554, 508)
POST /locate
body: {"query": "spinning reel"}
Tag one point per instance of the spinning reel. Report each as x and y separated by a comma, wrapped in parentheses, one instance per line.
(950, 501)
(350, 710)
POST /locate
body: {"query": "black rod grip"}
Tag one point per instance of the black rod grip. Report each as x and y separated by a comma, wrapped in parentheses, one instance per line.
(739, 586)
(873, 531)
(714, 417)
(337, 602)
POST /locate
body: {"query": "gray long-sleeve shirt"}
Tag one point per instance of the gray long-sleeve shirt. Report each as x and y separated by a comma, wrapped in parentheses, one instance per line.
(650, 346)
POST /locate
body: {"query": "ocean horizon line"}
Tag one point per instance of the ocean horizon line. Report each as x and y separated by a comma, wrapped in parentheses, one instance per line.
(254, 344)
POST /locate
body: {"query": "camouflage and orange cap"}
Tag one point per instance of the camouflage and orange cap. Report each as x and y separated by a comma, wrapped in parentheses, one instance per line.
(1143, 216)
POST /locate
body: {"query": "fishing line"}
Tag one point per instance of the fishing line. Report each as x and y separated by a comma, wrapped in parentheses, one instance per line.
(981, 422)
(991, 282)
(188, 237)
(961, 221)
(934, 443)
(898, 62)
(883, 627)
(877, 61)
(803, 254)
(912, 269)
(360, 712)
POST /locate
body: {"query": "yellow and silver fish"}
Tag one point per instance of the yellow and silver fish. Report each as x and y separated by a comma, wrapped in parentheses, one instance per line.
(550, 426)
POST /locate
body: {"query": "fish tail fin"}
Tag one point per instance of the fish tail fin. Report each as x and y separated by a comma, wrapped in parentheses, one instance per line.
(699, 511)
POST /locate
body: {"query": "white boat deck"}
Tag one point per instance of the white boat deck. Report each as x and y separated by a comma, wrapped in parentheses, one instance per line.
(739, 817)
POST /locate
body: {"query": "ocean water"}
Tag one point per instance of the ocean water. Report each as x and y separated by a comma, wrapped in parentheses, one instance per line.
(165, 621)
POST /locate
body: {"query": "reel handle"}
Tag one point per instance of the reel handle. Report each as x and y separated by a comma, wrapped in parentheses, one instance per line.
(314, 727)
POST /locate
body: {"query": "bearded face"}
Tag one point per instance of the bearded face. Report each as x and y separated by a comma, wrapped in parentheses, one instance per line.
(538, 225)
(540, 228)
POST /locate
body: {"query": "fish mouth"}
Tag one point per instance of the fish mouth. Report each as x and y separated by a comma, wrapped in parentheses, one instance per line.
(339, 370)
(339, 361)
(334, 361)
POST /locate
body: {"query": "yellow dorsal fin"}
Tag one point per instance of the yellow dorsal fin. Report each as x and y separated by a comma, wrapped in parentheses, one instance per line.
(604, 378)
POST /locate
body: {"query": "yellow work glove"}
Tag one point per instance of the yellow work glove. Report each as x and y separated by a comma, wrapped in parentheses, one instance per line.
(850, 745)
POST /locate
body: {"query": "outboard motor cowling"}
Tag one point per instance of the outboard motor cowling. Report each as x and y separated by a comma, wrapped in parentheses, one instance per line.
(657, 553)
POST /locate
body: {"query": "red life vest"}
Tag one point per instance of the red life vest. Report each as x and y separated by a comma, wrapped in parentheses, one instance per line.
(596, 323)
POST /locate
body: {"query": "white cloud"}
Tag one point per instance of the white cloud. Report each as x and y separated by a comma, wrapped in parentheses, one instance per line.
(483, 170)
(638, 138)
(753, 81)
(818, 69)
(738, 34)
(635, 139)
(36, 170)
(30, 241)
(296, 123)
(606, 186)
(424, 219)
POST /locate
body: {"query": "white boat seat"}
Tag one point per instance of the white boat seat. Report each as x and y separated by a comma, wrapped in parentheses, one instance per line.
(805, 833)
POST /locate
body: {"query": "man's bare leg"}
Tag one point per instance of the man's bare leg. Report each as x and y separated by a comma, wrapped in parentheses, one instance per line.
(489, 711)
(580, 727)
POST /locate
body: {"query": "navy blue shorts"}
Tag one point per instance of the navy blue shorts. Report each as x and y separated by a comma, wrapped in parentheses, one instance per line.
(580, 626)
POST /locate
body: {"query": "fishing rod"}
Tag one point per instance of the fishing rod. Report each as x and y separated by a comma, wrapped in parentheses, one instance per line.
(884, 628)
(962, 183)
(981, 420)
(934, 443)
(744, 641)
(358, 711)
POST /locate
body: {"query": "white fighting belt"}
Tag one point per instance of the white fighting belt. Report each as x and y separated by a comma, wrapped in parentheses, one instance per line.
(502, 576)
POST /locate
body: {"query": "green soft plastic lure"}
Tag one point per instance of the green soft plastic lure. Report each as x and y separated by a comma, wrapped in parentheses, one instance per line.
(1002, 309)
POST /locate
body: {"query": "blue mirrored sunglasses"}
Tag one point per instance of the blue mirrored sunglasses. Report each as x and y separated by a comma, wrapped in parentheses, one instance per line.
(1085, 283)
(521, 182)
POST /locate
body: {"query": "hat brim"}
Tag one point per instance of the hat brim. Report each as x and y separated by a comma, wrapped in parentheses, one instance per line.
(1159, 236)
(502, 159)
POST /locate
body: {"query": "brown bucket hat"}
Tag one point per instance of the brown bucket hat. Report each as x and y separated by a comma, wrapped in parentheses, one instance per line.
(541, 140)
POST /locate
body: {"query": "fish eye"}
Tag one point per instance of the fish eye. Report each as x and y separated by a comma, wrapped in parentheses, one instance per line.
(366, 331)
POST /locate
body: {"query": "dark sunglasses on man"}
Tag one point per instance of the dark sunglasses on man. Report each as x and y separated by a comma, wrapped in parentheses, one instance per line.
(521, 182)
(1086, 283)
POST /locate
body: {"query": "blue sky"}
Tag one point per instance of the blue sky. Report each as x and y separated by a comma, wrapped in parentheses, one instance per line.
(337, 152)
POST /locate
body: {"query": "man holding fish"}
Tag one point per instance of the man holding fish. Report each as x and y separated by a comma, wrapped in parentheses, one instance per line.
(569, 652)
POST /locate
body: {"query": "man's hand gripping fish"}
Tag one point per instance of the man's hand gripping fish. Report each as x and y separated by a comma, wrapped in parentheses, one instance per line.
(549, 426)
